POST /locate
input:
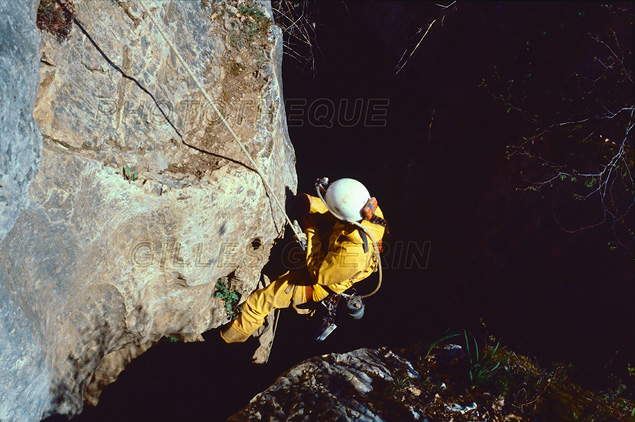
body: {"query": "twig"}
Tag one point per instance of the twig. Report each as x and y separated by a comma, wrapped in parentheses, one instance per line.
(398, 67)
(446, 7)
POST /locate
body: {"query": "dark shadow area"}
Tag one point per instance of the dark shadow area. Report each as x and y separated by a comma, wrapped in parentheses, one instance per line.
(499, 262)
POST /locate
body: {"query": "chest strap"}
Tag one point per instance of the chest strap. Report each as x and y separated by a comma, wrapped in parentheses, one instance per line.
(365, 239)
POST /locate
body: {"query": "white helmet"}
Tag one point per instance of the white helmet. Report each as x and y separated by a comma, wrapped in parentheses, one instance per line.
(347, 197)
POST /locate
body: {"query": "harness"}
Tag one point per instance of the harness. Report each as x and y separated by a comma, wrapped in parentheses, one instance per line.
(355, 308)
(354, 302)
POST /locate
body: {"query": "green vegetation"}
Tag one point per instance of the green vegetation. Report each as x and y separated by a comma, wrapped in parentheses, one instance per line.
(254, 25)
(245, 23)
(483, 367)
(230, 298)
(129, 174)
(56, 17)
(400, 382)
(466, 382)
(439, 341)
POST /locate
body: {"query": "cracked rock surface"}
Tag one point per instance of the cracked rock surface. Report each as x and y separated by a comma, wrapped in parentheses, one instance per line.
(130, 222)
(335, 387)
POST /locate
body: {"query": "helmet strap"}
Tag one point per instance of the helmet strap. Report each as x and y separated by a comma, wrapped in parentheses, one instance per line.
(365, 239)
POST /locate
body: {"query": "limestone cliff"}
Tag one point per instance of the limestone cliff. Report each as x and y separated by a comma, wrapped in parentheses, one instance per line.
(143, 200)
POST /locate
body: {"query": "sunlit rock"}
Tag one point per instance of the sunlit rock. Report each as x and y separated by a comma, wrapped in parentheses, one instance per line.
(128, 228)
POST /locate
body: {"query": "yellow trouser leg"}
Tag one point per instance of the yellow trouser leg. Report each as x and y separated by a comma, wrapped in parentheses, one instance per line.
(277, 295)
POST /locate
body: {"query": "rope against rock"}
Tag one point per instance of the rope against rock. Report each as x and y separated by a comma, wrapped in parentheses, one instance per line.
(211, 102)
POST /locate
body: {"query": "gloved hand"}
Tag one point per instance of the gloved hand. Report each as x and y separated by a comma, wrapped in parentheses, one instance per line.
(298, 206)
(321, 222)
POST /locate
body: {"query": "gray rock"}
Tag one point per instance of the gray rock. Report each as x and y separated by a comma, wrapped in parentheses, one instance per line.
(432, 384)
(103, 263)
(335, 387)
(24, 388)
(20, 139)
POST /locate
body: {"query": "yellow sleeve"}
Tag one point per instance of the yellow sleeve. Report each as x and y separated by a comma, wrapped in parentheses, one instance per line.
(316, 205)
(314, 255)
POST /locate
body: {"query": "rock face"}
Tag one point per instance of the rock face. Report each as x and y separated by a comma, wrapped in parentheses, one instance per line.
(20, 139)
(335, 387)
(22, 369)
(143, 199)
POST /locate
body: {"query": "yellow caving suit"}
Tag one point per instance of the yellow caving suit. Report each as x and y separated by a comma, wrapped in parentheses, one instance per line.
(333, 269)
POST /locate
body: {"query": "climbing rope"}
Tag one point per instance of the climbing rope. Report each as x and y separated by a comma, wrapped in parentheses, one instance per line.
(298, 234)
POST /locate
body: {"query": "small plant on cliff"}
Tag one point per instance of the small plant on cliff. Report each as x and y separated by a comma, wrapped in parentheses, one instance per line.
(399, 382)
(230, 298)
(483, 367)
(439, 341)
(56, 17)
(129, 174)
(255, 25)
